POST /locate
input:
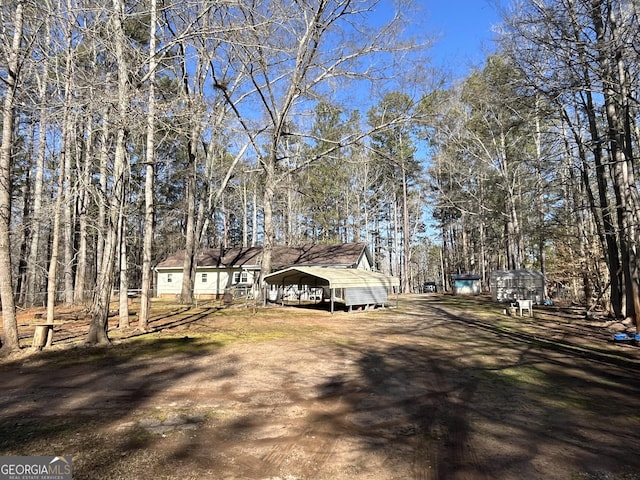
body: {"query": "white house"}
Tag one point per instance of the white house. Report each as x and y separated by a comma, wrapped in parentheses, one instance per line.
(218, 270)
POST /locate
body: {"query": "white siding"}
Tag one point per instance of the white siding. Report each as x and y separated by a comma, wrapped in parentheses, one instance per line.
(216, 281)
(169, 282)
(363, 264)
(365, 296)
(208, 282)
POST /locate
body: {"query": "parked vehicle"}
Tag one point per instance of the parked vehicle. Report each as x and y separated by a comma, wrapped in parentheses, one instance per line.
(429, 287)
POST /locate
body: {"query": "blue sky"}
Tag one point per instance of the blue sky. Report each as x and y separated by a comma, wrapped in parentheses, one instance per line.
(463, 28)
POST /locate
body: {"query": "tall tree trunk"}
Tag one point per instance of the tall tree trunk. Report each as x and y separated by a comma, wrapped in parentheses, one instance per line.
(406, 285)
(10, 340)
(25, 232)
(149, 204)
(483, 259)
(391, 237)
(103, 182)
(55, 245)
(188, 266)
(123, 290)
(631, 202)
(33, 294)
(444, 263)
(191, 236)
(82, 206)
(510, 211)
(68, 135)
(245, 214)
(627, 203)
(68, 193)
(102, 297)
(101, 300)
(540, 190)
(464, 243)
(268, 199)
(254, 216)
(603, 210)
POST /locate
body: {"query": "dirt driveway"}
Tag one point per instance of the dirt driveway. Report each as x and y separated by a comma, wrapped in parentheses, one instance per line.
(437, 388)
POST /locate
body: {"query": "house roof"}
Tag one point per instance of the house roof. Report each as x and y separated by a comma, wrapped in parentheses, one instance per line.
(339, 255)
(217, 258)
(465, 276)
(331, 277)
(522, 273)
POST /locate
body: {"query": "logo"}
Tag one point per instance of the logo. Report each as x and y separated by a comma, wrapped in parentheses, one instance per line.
(36, 468)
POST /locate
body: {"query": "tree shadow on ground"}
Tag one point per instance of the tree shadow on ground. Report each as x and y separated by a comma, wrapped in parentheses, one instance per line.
(426, 391)
(70, 398)
(474, 401)
(75, 331)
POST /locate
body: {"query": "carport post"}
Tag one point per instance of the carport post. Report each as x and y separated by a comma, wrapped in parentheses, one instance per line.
(331, 296)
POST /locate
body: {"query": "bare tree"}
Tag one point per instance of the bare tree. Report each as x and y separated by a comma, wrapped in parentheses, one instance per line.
(114, 200)
(580, 55)
(33, 294)
(55, 245)
(13, 47)
(82, 209)
(288, 54)
(611, 48)
(150, 159)
(68, 140)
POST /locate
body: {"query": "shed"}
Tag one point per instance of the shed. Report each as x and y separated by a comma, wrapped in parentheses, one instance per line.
(466, 284)
(508, 285)
(353, 286)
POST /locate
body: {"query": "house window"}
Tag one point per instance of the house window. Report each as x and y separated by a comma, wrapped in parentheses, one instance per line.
(204, 278)
(240, 277)
(169, 277)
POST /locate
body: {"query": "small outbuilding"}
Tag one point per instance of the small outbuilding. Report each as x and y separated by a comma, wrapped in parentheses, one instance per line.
(511, 285)
(465, 284)
(354, 287)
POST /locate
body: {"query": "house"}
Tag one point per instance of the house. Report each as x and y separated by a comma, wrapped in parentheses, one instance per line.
(218, 270)
(465, 284)
(510, 285)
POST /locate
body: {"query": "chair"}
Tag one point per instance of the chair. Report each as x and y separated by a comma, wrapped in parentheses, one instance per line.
(525, 305)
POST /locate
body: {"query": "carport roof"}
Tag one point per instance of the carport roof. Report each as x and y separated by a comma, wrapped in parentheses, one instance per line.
(331, 277)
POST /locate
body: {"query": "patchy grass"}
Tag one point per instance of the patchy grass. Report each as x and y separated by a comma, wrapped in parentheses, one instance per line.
(523, 376)
(161, 345)
(573, 402)
(21, 437)
(274, 386)
(174, 330)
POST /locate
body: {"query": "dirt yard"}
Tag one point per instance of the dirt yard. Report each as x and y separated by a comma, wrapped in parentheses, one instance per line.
(440, 387)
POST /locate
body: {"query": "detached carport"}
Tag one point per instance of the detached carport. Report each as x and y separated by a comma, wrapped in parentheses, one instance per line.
(359, 287)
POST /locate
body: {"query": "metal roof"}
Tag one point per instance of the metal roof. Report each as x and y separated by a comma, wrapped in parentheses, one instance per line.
(522, 273)
(331, 277)
(465, 276)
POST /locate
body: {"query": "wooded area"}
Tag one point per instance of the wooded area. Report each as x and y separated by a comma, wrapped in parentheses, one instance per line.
(132, 129)
(538, 151)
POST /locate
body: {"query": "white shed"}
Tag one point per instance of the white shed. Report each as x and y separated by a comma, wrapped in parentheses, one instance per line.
(510, 285)
(465, 284)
